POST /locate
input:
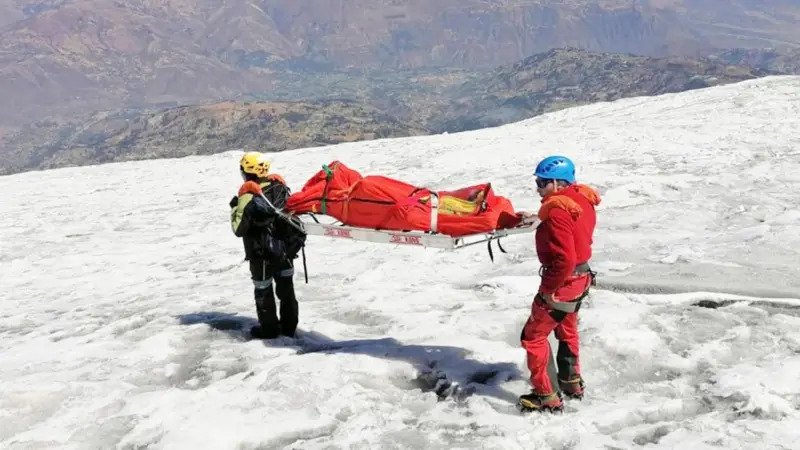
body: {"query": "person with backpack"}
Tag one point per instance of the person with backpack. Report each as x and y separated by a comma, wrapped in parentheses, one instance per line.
(270, 244)
(564, 247)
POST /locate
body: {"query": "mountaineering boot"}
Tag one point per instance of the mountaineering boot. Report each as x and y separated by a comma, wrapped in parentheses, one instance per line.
(257, 332)
(536, 402)
(572, 388)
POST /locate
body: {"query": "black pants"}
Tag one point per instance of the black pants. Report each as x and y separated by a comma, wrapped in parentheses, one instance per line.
(263, 275)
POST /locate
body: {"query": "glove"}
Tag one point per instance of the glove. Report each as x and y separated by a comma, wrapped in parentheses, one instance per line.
(250, 187)
(234, 202)
(526, 218)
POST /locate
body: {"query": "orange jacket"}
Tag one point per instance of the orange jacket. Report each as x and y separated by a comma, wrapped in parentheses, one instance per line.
(564, 239)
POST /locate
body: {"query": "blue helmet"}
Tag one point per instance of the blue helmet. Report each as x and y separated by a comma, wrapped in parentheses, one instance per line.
(556, 168)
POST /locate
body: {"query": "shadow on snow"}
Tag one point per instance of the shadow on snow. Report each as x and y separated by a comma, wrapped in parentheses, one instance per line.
(447, 371)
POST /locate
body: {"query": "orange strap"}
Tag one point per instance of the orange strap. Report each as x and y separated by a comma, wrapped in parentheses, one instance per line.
(589, 193)
(276, 177)
(552, 202)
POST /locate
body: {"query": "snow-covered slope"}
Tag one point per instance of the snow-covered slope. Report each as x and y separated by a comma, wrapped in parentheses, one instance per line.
(122, 291)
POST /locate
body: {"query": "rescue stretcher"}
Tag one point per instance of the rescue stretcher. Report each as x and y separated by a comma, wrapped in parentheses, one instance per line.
(337, 230)
(379, 209)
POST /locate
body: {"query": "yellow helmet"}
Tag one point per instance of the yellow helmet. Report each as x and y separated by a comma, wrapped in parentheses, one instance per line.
(254, 163)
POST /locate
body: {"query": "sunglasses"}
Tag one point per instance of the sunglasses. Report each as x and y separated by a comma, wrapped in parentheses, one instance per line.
(542, 183)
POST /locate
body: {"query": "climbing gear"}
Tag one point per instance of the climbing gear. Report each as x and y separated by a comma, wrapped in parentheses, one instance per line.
(566, 307)
(556, 168)
(254, 163)
(572, 388)
(537, 402)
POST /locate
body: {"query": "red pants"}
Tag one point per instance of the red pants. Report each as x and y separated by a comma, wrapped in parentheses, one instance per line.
(542, 321)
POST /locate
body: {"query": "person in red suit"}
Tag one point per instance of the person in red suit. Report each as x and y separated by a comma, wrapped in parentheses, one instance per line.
(564, 248)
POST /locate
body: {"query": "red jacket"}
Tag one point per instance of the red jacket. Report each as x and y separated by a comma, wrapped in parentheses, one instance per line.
(564, 239)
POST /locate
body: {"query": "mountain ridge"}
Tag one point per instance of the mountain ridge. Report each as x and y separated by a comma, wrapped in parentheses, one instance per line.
(59, 57)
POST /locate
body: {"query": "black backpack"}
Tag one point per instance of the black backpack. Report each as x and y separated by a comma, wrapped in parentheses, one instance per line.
(286, 238)
(293, 238)
(290, 235)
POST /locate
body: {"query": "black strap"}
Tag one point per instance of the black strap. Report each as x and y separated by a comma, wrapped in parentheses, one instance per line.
(489, 246)
(500, 246)
(305, 268)
(582, 268)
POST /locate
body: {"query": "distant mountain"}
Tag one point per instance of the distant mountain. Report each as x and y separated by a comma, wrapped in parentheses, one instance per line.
(568, 77)
(784, 62)
(206, 129)
(340, 107)
(62, 57)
